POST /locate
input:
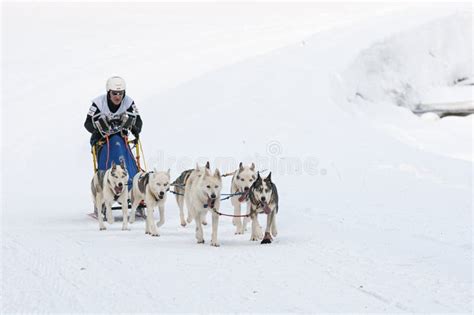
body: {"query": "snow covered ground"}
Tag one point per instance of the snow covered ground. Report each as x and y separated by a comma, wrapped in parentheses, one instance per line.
(376, 203)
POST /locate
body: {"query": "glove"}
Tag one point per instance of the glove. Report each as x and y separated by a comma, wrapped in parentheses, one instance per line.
(102, 125)
(135, 132)
(124, 132)
(127, 121)
(95, 137)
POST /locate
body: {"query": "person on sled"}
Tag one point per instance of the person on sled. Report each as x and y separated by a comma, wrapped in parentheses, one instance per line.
(109, 120)
(113, 111)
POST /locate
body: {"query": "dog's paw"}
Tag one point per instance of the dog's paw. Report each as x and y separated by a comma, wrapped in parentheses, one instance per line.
(239, 231)
(189, 220)
(204, 222)
(102, 228)
(146, 232)
(266, 241)
(254, 238)
(111, 221)
(200, 241)
(155, 234)
(131, 220)
(183, 224)
(125, 228)
(215, 244)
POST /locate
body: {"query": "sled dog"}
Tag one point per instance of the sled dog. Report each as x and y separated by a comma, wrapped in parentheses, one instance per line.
(241, 182)
(202, 194)
(107, 188)
(150, 187)
(178, 187)
(263, 197)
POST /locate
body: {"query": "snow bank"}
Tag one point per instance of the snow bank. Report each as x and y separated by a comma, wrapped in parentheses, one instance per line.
(418, 67)
(405, 68)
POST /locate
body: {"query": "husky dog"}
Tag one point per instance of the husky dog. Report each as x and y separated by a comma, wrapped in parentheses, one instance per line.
(202, 193)
(150, 187)
(241, 182)
(179, 185)
(109, 187)
(263, 197)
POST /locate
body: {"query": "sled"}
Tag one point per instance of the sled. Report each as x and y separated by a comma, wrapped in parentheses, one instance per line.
(116, 148)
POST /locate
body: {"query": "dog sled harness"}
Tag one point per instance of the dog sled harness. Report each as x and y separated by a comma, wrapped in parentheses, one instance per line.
(231, 215)
(210, 204)
(143, 181)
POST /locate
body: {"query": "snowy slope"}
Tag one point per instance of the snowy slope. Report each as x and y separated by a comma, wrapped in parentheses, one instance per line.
(407, 68)
(412, 69)
(369, 222)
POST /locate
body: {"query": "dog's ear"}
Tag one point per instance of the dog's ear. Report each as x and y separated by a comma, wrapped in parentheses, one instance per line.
(258, 176)
(241, 167)
(252, 167)
(197, 166)
(208, 165)
(114, 166)
(217, 174)
(169, 172)
(269, 178)
(122, 164)
(207, 172)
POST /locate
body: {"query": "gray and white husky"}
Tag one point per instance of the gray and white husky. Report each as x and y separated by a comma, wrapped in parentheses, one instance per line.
(150, 187)
(178, 188)
(202, 194)
(242, 180)
(263, 197)
(107, 188)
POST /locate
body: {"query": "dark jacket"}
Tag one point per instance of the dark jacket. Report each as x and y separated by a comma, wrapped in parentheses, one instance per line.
(94, 110)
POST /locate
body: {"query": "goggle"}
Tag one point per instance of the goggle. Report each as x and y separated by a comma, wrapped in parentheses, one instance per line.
(117, 93)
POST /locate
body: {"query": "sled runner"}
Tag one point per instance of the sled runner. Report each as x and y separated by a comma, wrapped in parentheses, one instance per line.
(140, 213)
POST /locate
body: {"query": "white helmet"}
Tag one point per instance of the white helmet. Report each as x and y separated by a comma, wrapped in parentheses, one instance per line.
(115, 84)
